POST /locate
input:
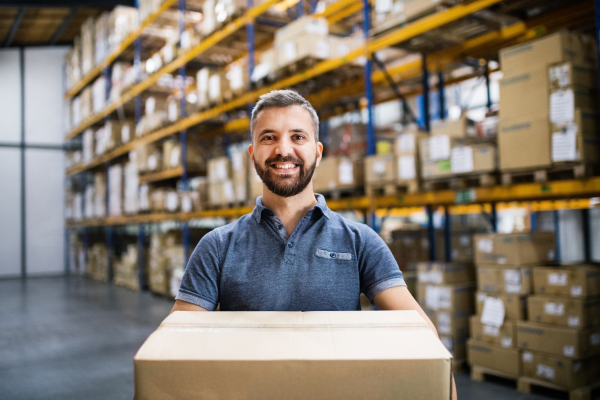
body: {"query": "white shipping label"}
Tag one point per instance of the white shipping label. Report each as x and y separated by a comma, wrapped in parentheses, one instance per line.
(186, 203)
(150, 105)
(444, 323)
(564, 145)
(172, 201)
(439, 147)
(125, 133)
(506, 341)
(560, 74)
(595, 339)
(260, 71)
(512, 281)
(172, 111)
(438, 297)
(447, 342)
(175, 157)
(346, 172)
(152, 162)
(237, 161)
(485, 245)
(491, 330)
(576, 291)
(289, 51)
(562, 106)
(383, 6)
(236, 77)
(552, 308)
(185, 40)
(228, 191)
(493, 312)
(168, 52)
(322, 49)
(379, 168)
(569, 351)
(527, 357)
(214, 87)
(406, 167)
(430, 276)
(461, 160)
(573, 320)
(545, 371)
(557, 279)
(445, 297)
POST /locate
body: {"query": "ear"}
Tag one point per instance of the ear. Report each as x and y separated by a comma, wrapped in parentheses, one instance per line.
(251, 152)
(319, 153)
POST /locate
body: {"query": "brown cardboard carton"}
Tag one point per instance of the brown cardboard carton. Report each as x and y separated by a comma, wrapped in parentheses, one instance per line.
(566, 311)
(576, 140)
(445, 273)
(506, 361)
(518, 135)
(457, 346)
(436, 169)
(558, 340)
(572, 280)
(564, 102)
(292, 355)
(515, 305)
(514, 248)
(453, 324)
(456, 297)
(338, 172)
(561, 371)
(504, 279)
(255, 184)
(524, 93)
(219, 169)
(566, 73)
(380, 169)
(504, 336)
(459, 128)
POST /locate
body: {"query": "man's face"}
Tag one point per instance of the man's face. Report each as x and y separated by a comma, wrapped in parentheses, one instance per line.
(284, 150)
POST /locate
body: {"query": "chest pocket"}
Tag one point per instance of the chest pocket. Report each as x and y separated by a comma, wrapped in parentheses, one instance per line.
(332, 255)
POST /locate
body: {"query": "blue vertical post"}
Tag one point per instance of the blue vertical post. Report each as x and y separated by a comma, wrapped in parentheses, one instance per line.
(494, 218)
(442, 95)
(251, 54)
(557, 235)
(141, 238)
(587, 244)
(447, 234)
(299, 8)
(488, 86)
(313, 6)
(369, 95)
(533, 220)
(183, 135)
(431, 232)
(426, 114)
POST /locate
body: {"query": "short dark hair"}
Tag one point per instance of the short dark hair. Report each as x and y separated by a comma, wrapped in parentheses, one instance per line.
(284, 98)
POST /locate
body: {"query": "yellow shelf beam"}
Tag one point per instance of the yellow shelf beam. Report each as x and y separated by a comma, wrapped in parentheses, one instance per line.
(118, 51)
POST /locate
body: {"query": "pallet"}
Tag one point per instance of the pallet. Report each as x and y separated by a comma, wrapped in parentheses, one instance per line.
(525, 385)
(391, 189)
(554, 173)
(336, 194)
(461, 182)
(480, 374)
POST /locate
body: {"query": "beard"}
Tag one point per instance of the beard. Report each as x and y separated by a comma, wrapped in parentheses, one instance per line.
(286, 185)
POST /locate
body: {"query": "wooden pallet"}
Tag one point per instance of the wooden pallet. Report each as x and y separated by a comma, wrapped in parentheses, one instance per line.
(481, 373)
(391, 189)
(554, 173)
(342, 193)
(526, 385)
(461, 181)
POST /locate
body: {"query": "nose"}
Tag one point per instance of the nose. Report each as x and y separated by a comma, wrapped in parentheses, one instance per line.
(284, 147)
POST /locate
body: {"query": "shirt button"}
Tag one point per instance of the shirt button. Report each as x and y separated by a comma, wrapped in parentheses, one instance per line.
(332, 255)
(290, 245)
(279, 226)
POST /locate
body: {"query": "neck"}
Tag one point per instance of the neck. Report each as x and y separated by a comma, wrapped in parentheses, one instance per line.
(290, 210)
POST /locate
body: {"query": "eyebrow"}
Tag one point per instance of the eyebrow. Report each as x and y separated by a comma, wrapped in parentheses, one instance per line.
(295, 130)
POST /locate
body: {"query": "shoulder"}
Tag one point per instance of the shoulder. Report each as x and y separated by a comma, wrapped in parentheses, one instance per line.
(226, 232)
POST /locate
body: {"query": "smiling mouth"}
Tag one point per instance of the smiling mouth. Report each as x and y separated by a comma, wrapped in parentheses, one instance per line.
(283, 166)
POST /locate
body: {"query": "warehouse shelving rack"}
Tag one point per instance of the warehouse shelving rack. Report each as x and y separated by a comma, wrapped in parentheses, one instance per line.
(550, 195)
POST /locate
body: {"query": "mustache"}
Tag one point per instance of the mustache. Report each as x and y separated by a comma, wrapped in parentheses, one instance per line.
(282, 159)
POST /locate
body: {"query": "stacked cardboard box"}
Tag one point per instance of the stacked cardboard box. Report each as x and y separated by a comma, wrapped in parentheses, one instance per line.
(255, 184)
(211, 85)
(155, 115)
(115, 190)
(504, 281)
(130, 186)
(305, 37)
(220, 185)
(126, 269)
(88, 34)
(122, 21)
(239, 172)
(165, 255)
(528, 103)
(100, 195)
(561, 339)
(407, 157)
(172, 157)
(445, 291)
(97, 262)
(390, 13)
(338, 173)
(101, 37)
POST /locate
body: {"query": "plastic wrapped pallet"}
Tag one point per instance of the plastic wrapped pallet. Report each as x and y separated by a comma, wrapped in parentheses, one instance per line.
(126, 269)
(131, 185)
(123, 20)
(86, 97)
(101, 38)
(100, 195)
(88, 145)
(88, 34)
(115, 190)
(305, 37)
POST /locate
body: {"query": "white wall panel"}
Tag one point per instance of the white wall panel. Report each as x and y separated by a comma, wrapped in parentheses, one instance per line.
(10, 96)
(44, 207)
(44, 111)
(10, 212)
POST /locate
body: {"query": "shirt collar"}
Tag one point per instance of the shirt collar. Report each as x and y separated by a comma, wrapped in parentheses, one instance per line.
(259, 209)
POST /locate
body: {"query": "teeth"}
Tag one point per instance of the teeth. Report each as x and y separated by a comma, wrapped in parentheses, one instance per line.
(286, 166)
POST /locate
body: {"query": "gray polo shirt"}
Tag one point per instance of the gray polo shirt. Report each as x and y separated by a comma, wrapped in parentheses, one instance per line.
(324, 265)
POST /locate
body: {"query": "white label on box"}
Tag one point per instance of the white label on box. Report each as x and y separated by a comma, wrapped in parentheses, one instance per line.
(186, 203)
(185, 40)
(465, 240)
(152, 162)
(439, 147)
(564, 145)
(491, 330)
(493, 312)
(379, 167)
(260, 71)
(168, 53)
(406, 167)
(569, 351)
(545, 371)
(346, 172)
(506, 341)
(562, 106)
(172, 201)
(289, 51)
(512, 281)
(236, 77)
(322, 49)
(214, 87)
(228, 191)
(383, 6)
(552, 308)
(150, 105)
(444, 323)
(398, 7)
(172, 111)
(560, 74)
(221, 170)
(237, 161)
(527, 357)
(595, 339)
(573, 321)
(501, 260)
(430, 276)
(485, 245)
(557, 279)
(461, 160)
(175, 157)
(576, 291)
(125, 133)
(438, 297)
(447, 342)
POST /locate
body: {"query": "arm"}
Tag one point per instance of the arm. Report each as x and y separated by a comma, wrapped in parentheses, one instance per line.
(399, 298)
(181, 305)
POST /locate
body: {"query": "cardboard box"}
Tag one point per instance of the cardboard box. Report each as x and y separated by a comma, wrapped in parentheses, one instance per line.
(572, 280)
(566, 311)
(514, 248)
(445, 273)
(518, 135)
(450, 324)
(561, 371)
(465, 159)
(515, 305)
(436, 169)
(506, 361)
(336, 172)
(503, 279)
(275, 355)
(577, 140)
(219, 169)
(255, 184)
(504, 336)
(456, 297)
(524, 93)
(459, 128)
(380, 169)
(567, 73)
(558, 340)
(457, 346)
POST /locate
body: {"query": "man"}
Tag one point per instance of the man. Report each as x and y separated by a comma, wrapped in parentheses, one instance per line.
(291, 253)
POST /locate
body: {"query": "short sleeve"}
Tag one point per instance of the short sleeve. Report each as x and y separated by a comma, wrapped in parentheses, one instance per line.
(200, 282)
(378, 267)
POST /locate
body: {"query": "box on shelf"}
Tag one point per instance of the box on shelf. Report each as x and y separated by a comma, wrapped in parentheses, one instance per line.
(445, 273)
(273, 368)
(307, 36)
(558, 340)
(380, 169)
(218, 169)
(337, 172)
(475, 158)
(453, 297)
(101, 37)
(122, 21)
(458, 128)
(99, 195)
(450, 324)
(515, 305)
(569, 280)
(566, 73)
(561, 371)
(126, 269)
(504, 336)
(576, 138)
(115, 190)
(565, 311)
(88, 34)
(131, 185)
(504, 279)
(487, 355)
(518, 135)
(524, 93)
(171, 152)
(148, 157)
(514, 248)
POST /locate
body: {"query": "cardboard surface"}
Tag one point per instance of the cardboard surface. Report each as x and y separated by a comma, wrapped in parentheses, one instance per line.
(456, 297)
(518, 135)
(515, 305)
(337, 172)
(561, 371)
(524, 93)
(447, 323)
(565, 311)
(504, 336)
(504, 279)
(442, 273)
(514, 248)
(487, 355)
(558, 340)
(380, 169)
(576, 140)
(573, 280)
(293, 355)
(567, 73)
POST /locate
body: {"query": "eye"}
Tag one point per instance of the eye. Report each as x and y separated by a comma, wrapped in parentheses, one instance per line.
(298, 137)
(267, 137)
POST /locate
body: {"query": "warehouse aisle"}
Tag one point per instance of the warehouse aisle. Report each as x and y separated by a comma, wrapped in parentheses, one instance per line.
(72, 338)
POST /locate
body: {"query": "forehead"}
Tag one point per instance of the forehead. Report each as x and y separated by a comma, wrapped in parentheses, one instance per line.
(284, 119)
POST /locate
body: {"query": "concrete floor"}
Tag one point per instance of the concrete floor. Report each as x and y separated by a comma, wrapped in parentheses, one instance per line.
(72, 338)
